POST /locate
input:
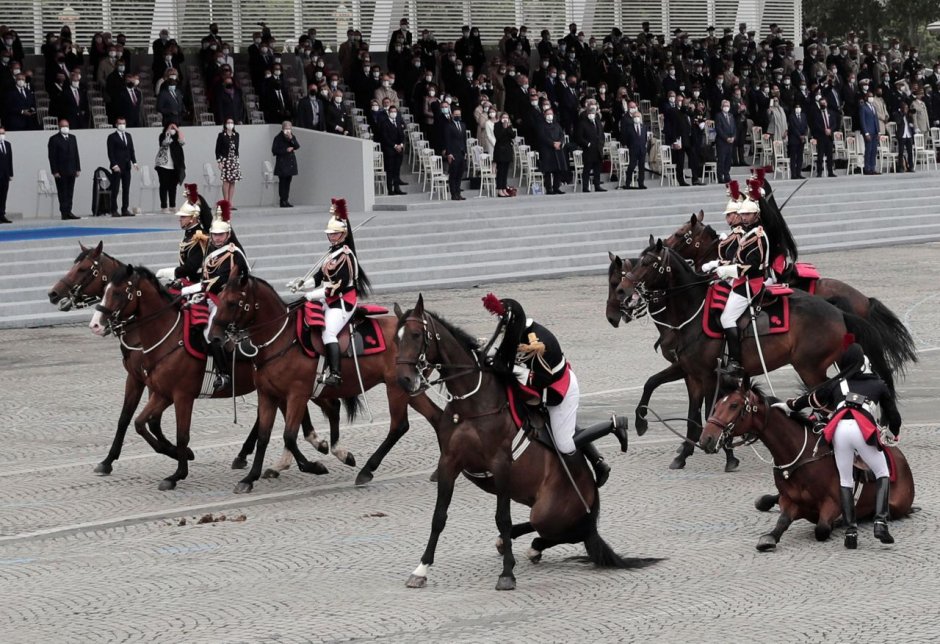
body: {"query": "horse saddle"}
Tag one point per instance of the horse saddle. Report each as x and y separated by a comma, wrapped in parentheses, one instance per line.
(532, 420)
(802, 275)
(362, 334)
(772, 306)
(195, 318)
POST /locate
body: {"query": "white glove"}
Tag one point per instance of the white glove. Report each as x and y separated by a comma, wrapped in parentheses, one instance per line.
(521, 373)
(167, 274)
(192, 289)
(315, 294)
(728, 271)
(708, 267)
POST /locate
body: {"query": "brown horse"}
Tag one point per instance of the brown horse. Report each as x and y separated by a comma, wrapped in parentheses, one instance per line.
(284, 375)
(808, 480)
(675, 295)
(698, 242)
(83, 285)
(476, 433)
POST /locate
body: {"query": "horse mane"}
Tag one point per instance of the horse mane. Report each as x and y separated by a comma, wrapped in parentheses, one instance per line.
(148, 275)
(466, 340)
(711, 232)
(86, 252)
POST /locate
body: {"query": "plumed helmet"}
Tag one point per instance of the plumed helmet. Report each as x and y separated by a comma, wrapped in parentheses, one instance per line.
(734, 198)
(513, 320)
(222, 217)
(188, 209)
(339, 221)
(749, 207)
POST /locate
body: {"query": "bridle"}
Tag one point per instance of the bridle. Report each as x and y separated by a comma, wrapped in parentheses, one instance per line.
(423, 366)
(644, 294)
(241, 337)
(114, 324)
(74, 295)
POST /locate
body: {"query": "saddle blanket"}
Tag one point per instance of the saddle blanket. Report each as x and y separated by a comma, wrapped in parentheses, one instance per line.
(368, 338)
(771, 305)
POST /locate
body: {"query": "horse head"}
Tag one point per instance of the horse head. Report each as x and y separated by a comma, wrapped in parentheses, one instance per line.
(652, 271)
(80, 286)
(694, 240)
(617, 310)
(414, 344)
(236, 307)
(120, 301)
(735, 414)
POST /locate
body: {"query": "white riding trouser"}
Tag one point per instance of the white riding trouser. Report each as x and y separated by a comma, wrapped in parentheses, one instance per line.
(563, 417)
(734, 309)
(212, 309)
(335, 320)
(848, 440)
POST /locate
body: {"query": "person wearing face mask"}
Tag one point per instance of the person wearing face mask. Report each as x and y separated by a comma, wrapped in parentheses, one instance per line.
(276, 102)
(552, 161)
(227, 158)
(170, 164)
(227, 101)
(634, 135)
(797, 135)
(74, 105)
(6, 173)
(868, 118)
(676, 132)
(390, 135)
(823, 122)
(65, 165)
(503, 134)
(454, 142)
(336, 115)
(311, 110)
(726, 131)
(589, 137)
(121, 158)
(170, 99)
(776, 120)
(385, 91)
(285, 161)
(19, 106)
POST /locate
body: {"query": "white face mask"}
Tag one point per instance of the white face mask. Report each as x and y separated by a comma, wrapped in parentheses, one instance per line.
(21, 84)
(64, 130)
(432, 93)
(286, 133)
(549, 118)
(637, 119)
(229, 126)
(591, 117)
(75, 84)
(393, 115)
(798, 110)
(726, 109)
(121, 127)
(3, 137)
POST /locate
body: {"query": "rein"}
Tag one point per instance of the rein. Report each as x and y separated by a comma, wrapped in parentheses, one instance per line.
(422, 365)
(75, 297)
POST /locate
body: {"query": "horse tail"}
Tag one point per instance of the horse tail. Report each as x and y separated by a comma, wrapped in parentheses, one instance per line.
(353, 406)
(601, 554)
(898, 343)
(871, 341)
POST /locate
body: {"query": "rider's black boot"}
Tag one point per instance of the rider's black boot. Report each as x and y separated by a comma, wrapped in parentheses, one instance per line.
(847, 498)
(617, 425)
(733, 342)
(223, 369)
(881, 510)
(334, 378)
(601, 468)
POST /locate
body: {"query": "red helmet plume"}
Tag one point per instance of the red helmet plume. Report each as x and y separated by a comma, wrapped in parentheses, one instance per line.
(339, 209)
(192, 193)
(225, 210)
(848, 340)
(734, 190)
(494, 305)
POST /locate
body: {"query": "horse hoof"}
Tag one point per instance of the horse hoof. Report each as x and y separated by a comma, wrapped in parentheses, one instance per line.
(243, 488)
(271, 474)
(641, 425)
(167, 484)
(766, 543)
(499, 545)
(822, 532)
(239, 463)
(766, 502)
(414, 581)
(506, 583)
(677, 463)
(350, 460)
(732, 464)
(534, 555)
(103, 468)
(314, 467)
(323, 447)
(364, 477)
(433, 477)
(189, 455)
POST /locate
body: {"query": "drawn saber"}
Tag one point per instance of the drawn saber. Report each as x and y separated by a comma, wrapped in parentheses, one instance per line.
(296, 284)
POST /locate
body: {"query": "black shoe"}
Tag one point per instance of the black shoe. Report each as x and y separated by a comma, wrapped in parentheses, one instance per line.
(334, 378)
(558, 192)
(683, 184)
(402, 183)
(641, 187)
(126, 213)
(601, 469)
(847, 500)
(696, 182)
(285, 204)
(881, 510)
(115, 213)
(68, 216)
(4, 220)
(399, 191)
(831, 174)
(599, 189)
(798, 177)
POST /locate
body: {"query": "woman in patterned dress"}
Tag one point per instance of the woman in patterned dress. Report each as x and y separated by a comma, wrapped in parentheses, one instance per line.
(226, 155)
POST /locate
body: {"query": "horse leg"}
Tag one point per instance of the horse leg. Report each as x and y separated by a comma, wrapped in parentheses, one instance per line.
(694, 426)
(670, 374)
(153, 409)
(447, 469)
(501, 480)
(133, 391)
(310, 434)
(241, 461)
(788, 514)
(267, 409)
(539, 545)
(292, 417)
(398, 410)
(518, 529)
(829, 511)
(332, 410)
(286, 459)
(184, 415)
(767, 501)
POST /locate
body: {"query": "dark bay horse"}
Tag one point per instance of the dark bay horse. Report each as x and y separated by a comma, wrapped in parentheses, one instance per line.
(805, 474)
(698, 242)
(84, 284)
(475, 432)
(675, 294)
(284, 375)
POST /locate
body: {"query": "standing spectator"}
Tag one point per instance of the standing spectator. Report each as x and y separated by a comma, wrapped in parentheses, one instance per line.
(589, 136)
(402, 35)
(311, 111)
(739, 112)
(822, 122)
(114, 86)
(170, 99)
(869, 123)
(285, 161)
(797, 133)
(920, 114)
(905, 124)
(551, 140)
(488, 140)
(502, 152)
(386, 91)
(6, 173)
(127, 102)
(390, 134)
(227, 103)
(725, 134)
(121, 157)
(276, 101)
(170, 164)
(65, 165)
(20, 107)
(454, 140)
(74, 106)
(226, 155)
(776, 120)
(634, 134)
(336, 115)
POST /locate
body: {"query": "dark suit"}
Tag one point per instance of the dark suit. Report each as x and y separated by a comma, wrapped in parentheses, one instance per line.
(277, 109)
(75, 109)
(636, 144)
(285, 164)
(6, 173)
(390, 133)
(227, 105)
(725, 129)
(126, 105)
(64, 162)
(335, 119)
(589, 136)
(17, 101)
(869, 122)
(797, 131)
(455, 145)
(673, 130)
(170, 105)
(121, 157)
(311, 113)
(824, 142)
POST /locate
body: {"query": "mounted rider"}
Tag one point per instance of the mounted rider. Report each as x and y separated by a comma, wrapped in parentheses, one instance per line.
(340, 282)
(223, 254)
(533, 355)
(783, 254)
(849, 401)
(195, 218)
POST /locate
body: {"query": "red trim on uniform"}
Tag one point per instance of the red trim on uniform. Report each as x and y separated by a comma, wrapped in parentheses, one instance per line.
(511, 396)
(869, 432)
(349, 298)
(806, 270)
(561, 385)
(779, 263)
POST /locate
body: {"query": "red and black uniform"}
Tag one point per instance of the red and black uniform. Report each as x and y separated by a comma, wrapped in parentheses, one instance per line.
(192, 255)
(549, 373)
(748, 248)
(219, 262)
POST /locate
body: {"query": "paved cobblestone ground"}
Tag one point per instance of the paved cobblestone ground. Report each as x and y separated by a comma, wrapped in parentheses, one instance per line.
(86, 558)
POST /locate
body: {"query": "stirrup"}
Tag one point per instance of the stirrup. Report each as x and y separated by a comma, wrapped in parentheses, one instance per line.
(222, 381)
(331, 379)
(733, 368)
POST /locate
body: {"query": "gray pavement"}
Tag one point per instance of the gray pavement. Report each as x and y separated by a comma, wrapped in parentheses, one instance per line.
(86, 558)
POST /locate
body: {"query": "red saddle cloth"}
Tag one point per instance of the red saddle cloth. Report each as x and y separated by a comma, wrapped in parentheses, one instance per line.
(805, 276)
(310, 323)
(771, 304)
(195, 318)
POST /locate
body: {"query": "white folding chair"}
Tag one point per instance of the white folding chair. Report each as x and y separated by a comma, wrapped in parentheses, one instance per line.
(438, 178)
(378, 172)
(781, 161)
(45, 188)
(577, 160)
(212, 180)
(887, 160)
(487, 175)
(147, 183)
(268, 181)
(668, 167)
(922, 155)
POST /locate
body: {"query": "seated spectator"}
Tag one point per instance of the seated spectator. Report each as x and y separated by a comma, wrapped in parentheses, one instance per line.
(386, 91)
